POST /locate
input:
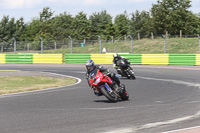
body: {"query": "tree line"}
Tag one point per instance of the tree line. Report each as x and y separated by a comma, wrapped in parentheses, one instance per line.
(166, 15)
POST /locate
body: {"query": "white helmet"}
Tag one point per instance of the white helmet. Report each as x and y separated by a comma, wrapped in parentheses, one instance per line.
(115, 55)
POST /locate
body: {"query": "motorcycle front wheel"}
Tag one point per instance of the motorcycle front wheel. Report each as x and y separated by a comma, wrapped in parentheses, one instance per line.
(110, 97)
(131, 73)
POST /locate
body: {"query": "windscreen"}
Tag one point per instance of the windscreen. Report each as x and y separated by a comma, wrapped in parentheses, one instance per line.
(93, 74)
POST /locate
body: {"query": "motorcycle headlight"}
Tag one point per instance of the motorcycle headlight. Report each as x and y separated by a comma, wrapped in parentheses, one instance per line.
(97, 81)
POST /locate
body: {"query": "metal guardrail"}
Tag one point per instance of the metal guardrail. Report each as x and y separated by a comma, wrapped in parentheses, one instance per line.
(142, 59)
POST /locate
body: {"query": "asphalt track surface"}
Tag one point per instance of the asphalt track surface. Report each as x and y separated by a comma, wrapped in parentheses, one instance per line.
(162, 99)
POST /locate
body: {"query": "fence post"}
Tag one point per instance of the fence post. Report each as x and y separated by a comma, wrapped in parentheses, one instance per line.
(41, 45)
(100, 43)
(14, 45)
(180, 33)
(55, 45)
(131, 44)
(199, 42)
(166, 36)
(164, 43)
(27, 46)
(71, 43)
(152, 36)
(138, 36)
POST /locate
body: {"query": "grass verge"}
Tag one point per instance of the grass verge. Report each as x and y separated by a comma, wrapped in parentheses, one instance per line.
(14, 84)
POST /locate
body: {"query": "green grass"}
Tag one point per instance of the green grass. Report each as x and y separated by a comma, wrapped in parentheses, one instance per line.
(143, 46)
(14, 84)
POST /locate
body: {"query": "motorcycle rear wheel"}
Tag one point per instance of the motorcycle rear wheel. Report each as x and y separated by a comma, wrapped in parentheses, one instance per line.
(109, 96)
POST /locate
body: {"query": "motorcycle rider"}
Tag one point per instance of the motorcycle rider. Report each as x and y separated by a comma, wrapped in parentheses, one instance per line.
(116, 58)
(90, 66)
(116, 62)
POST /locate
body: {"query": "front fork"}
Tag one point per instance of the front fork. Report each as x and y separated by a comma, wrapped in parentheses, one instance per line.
(127, 71)
(113, 91)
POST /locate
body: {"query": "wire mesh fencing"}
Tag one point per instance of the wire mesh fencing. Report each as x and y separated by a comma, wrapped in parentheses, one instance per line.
(189, 44)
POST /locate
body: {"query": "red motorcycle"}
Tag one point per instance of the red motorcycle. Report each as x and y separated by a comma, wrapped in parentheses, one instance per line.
(107, 87)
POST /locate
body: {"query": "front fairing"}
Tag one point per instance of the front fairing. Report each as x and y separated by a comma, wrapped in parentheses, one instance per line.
(96, 78)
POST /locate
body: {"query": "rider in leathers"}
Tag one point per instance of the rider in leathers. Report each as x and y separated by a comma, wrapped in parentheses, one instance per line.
(90, 66)
(116, 62)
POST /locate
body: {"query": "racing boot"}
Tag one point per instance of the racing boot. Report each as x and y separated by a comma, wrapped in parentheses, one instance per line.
(96, 92)
(121, 86)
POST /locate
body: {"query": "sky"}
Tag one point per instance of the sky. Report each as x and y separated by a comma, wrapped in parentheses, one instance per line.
(29, 9)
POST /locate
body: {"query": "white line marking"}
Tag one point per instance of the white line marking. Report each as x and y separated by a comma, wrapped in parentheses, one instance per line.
(78, 79)
(78, 72)
(193, 102)
(128, 130)
(9, 70)
(110, 108)
(182, 129)
(156, 124)
(173, 81)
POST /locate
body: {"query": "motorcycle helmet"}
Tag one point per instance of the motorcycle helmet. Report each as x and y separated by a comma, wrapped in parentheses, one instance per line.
(90, 65)
(115, 55)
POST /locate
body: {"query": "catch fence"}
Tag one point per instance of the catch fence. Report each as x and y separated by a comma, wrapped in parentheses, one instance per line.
(189, 44)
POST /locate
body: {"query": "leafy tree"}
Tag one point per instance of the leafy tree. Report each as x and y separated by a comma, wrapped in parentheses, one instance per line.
(6, 28)
(191, 24)
(140, 23)
(45, 18)
(81, 26)
(109, 31)
(38, 27)
(19, 28)
(198, 21)
(46, 14)
(98, 22)
(31, 30)
(61, 26)
(121, 25)
(9, 29)
(171, 16)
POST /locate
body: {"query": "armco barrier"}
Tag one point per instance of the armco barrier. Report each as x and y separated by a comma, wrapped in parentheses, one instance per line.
(155, 59)
(133, 58)
(31, 58)
(143, 59)
(76, 58)
(102, 58)
(47, 58)
(19, 58)
(147, 59)
(182, 59)
(197, 59)
(2, 59)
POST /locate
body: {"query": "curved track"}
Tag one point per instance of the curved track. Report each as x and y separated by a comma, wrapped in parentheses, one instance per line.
(161, 100)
